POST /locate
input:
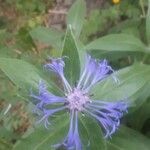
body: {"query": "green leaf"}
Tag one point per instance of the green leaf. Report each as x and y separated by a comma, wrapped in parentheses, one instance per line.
(128, 139)
(42, 139)
(117, 42)
(148, 23)
(95, 137)
(72, 61)
(111, 146)
(132, 81)
(137, 119)
(113, 56)
(76, 16)
(21, 73)
(48, 36)
(24, 40)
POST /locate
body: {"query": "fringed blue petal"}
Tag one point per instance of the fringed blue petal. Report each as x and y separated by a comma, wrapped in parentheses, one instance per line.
(44, 97)
(72, 140)
(108, 114)
(47, 113)
(57, 65)
(94, 71)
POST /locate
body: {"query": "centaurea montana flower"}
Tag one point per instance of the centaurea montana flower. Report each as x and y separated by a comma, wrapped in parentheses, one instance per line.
(77, 100)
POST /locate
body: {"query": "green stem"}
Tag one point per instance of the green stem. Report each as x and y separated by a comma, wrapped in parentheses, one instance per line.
(142, 7)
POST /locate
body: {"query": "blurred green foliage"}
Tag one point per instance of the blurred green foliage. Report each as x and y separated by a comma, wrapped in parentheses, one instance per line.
(20, 37)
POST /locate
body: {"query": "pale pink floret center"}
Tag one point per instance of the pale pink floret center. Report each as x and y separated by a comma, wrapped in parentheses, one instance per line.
(77, 99)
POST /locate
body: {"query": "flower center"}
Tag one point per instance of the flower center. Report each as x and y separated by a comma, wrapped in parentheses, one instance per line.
(77, 99)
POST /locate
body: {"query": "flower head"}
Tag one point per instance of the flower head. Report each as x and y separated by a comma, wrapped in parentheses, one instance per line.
(77, 100)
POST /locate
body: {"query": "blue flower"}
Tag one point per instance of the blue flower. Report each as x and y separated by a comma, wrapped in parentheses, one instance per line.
(77, 100)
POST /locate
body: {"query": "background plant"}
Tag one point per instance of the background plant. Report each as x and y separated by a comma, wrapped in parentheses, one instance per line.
(114, 32)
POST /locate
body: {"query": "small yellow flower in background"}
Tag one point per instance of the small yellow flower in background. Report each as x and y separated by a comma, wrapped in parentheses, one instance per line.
(116, 1)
